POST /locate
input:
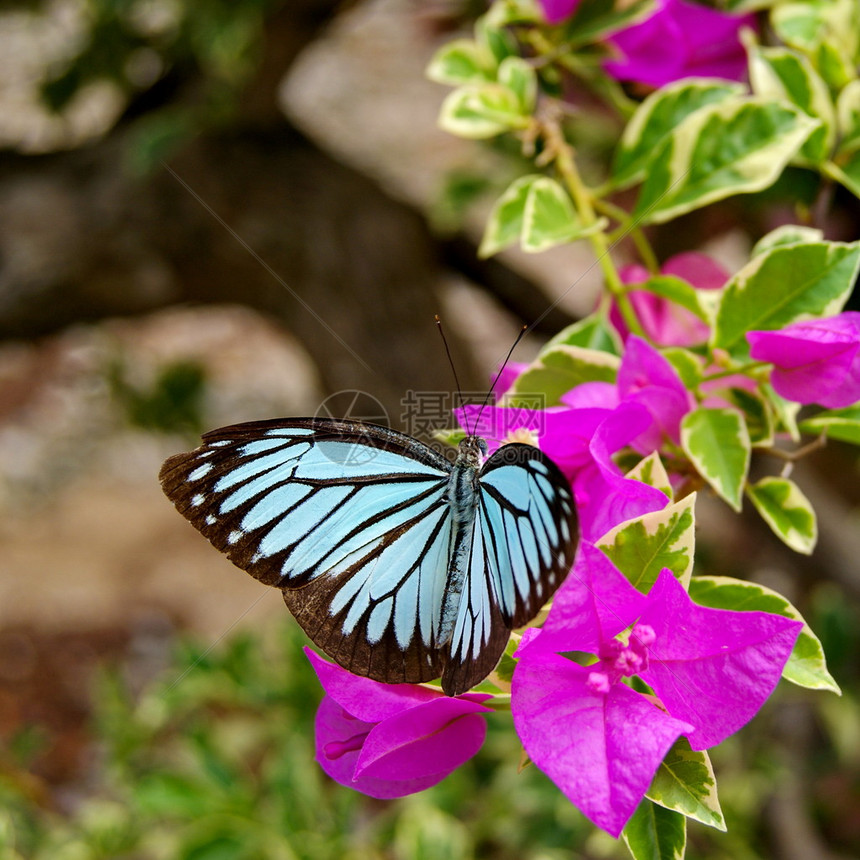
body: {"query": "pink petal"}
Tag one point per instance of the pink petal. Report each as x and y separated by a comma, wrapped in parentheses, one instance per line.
(633, 273)
(556, 11)
(594, 603)
(644, 366)
(643, 53)
(592, 395)
(495, 424)
(367, 700)
(704, 42)
(713, 668)
(604, 497)
(647, 378)
(664, 322)
(338, 743)
(668, 409)
(700, 270)
(430, 739)
(603, 500)
(567, 437)
(600, 749)
(814, 362)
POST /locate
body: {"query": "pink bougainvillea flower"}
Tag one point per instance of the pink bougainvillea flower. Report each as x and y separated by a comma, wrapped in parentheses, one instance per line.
(680, 40)
(667, 323)
(581, 443)
(389, 740)
(604, 497)
(595, 737)
(555, 11)
(647, 378)
(814, 362)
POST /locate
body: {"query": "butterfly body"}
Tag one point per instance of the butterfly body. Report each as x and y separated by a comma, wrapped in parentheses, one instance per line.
(400, 565)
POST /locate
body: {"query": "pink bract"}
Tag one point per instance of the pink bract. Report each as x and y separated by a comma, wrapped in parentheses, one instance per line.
(666, 323)
(389, 740)
(555, 11)
(814, 362)
(599, 740)
(680, 40)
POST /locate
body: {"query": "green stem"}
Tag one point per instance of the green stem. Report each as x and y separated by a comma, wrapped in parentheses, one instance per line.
(582, 200)
(745, 369)
(628, 227)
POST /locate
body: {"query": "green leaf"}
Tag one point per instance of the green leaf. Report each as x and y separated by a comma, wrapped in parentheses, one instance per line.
(806, 666)
(689, 365)
(505, 223)
(426, 832)
(783, 285)
(172, 794)
(655, 833)
(787, 511)
(481, 110)
(757, 416)
(685, 783)
(460, 62)
(785, 411)
(748, 5)
(596, 19)
(498, 43)
(678, 291)
(549, 217)
(847, 172)
(504, 12)
(733, 147)
(591, 332)
(787, 234)
(848, 118)
(842, 424)
(782, 75)
(652, 472)
(520, 78)
(718, 444)
(656, 118)
(504, 671)
(536, 210)
(561, 368)
(642, 547)
(827, 31)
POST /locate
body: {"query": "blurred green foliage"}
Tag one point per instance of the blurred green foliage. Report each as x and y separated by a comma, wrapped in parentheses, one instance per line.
(136, 42)
(214, 761)
(172, 403)
(181, 65)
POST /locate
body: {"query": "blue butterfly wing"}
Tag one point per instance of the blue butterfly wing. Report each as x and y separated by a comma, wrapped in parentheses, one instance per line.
(350, 520)
(522, 547)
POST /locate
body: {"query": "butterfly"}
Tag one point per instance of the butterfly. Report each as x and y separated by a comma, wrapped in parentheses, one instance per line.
(398, 564)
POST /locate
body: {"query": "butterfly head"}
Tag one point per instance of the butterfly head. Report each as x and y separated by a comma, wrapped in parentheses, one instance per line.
(472, 451)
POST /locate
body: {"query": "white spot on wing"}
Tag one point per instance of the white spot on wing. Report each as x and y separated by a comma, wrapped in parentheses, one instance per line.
(200, 472)
(210, 520)
(234, 536)
(198, 500)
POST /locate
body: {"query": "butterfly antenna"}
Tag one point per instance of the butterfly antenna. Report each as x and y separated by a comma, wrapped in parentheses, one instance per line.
(450, 361)
(496, 378)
